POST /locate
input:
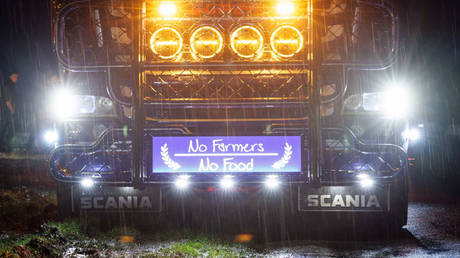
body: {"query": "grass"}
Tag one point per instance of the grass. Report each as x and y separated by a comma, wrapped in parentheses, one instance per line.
(202, 246)
(53, 235)
(7, 244)
(54, 238)
(69, 229)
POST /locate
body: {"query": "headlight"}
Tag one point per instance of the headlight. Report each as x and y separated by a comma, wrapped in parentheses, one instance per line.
(104, 105)
(166, 43)
(286, 41)
(394, 102)
(247, 41)
(63, 104)
(206, 42)
(66, 105)
(353, 102)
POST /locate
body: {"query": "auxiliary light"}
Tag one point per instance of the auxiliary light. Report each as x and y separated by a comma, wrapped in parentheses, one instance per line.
(206, 42)
(166, 43)
(247, 41)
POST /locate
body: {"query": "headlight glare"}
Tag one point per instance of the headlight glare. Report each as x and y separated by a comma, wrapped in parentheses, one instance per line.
(411, 134)
(365, 180)
(63, 103)
(87, 182)
(227, 182)
(51, 137)
(167, 9)
(285, 8)
(272, 182)
(182, 182)
(394, 102)
(66, 105)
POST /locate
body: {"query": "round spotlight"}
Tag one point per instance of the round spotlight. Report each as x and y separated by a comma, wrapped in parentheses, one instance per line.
(366, 183)
(51, 137)
(272, 182)
(167, 9)
(63, 104)
(227, 182)
(286, 41)
(396, 102)
(365, 180)
(166, 43)
(247, 41)
(285, 8)
(87, 182)
(206, 42)
(182, 182)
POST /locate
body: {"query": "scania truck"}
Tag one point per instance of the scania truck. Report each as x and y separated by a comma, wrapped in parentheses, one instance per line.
(279, 110)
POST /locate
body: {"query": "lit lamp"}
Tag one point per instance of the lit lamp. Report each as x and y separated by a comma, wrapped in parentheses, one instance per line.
(206, 42)
(247, 41)
(285, 8)
(166, 43)
(286, 41)
(167, 9)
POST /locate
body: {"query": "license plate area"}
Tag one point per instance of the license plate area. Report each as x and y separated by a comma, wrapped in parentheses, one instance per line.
(343, 199)
(227, 154)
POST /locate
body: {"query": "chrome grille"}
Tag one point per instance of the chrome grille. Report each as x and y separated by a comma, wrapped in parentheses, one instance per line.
(206, 85)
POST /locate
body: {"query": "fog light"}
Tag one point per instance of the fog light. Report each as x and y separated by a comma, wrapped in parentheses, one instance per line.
(87, 182)
(51, 137)
(182, 182)
(227, 182)
(272, 182)
(365, 180)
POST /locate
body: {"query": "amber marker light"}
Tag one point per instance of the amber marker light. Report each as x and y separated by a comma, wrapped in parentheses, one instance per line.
(167, 9)
(166, 43)
(285, 8)
(246, 41)
(286, 41)
(206, 42)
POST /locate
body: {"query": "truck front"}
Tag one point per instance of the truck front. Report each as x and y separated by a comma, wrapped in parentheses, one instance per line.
(268, 103)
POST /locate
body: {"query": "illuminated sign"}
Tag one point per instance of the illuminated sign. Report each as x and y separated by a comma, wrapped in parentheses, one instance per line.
(232, 154)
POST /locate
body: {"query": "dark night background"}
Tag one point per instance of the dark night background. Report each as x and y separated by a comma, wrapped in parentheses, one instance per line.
(429, 35)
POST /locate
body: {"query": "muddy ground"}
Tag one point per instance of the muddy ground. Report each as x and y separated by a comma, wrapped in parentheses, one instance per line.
(30, 227)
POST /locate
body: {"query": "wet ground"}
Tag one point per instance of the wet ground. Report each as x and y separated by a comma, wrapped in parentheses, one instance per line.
(29, 226)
